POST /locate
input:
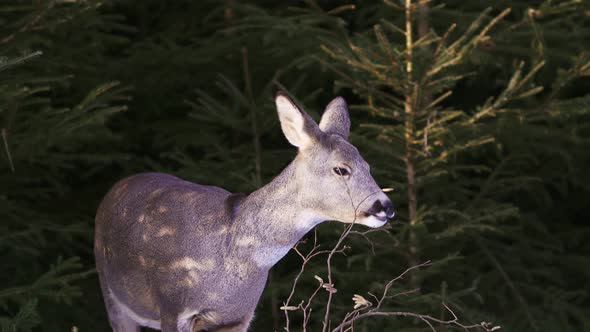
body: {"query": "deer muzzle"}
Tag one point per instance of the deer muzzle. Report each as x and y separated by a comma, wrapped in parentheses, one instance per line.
(381, 210)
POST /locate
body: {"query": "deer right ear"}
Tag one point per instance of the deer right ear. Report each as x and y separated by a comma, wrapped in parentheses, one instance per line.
(298, 127)
(335, 119)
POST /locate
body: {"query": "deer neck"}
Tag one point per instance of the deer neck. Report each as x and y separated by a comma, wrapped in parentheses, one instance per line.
(271, 220)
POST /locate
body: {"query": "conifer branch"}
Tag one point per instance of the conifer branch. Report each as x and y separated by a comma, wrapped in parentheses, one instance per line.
(5, 64)
(509, 282)
(31, 24)
(7, 149)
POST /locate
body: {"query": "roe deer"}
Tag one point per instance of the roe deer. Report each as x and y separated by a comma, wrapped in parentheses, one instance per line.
(179, 256)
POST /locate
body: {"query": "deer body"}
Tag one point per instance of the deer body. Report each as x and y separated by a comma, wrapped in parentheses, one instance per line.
(178, 256)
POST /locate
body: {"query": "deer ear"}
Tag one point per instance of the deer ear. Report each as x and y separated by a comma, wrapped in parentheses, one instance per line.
(298, 127)
(335, 119)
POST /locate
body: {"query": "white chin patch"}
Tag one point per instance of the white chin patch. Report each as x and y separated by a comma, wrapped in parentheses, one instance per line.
(372, 221)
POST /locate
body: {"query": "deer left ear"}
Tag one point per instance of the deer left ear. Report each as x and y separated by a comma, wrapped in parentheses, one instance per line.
(298, 127)
(335, 119)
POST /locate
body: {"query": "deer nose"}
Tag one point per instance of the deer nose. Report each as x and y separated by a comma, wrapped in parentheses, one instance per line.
(382, 209)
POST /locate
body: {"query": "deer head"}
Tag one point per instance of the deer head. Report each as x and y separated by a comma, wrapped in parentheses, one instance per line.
(334, 181)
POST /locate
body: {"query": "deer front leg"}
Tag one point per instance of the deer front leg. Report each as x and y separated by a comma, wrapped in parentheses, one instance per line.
(119, 320)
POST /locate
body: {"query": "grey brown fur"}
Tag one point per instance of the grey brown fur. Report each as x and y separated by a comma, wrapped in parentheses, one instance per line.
(179, 256)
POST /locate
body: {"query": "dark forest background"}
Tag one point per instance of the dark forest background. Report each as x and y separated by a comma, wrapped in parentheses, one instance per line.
(486, 142)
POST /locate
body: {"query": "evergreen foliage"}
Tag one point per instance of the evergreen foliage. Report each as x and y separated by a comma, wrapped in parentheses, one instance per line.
(477, 114)
(48, 136)
(463, 172)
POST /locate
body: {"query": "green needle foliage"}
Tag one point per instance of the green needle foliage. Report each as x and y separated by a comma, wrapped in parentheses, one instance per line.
(469, 179)
(476, 113)
(47, 137)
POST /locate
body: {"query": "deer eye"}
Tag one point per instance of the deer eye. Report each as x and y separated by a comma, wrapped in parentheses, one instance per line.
(341, 171)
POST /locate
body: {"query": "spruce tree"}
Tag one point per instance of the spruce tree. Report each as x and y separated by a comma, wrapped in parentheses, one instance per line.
(463, 174)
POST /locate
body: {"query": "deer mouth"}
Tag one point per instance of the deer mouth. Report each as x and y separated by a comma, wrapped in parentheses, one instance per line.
(379, 211)
(373, 220)
(381, 215)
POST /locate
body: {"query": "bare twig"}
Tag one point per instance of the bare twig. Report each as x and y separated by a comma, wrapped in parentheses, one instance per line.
(306, 258)
(427, 319)
(486, 326)
(391, 282)
(363, 308)
(326, 322)
(364, 235)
